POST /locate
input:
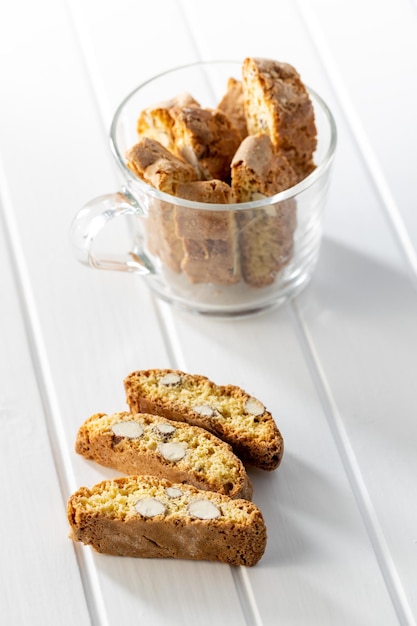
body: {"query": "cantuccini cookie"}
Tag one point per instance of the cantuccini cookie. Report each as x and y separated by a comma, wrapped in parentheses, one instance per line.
(156, 120)
(277, 103)
(209, 238)
(259, 140)
(150, 444)
(150, 517)
(156, 165)
(227, 411)
(233, 104)
(266, 236)
(206, 139)
(259, 170)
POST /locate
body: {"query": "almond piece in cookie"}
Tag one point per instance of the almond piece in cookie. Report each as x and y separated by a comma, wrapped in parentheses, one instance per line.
(150, 517)
(266, 236)
(150, 444)
(227, 411)
(277, 103)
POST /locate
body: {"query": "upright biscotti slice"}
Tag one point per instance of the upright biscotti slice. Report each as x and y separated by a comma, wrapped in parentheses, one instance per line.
(155, 165)
(278, 103)
(206, 139)
(259, 170)
(156, 120)
(266, 236)
(149, 517)
(233, 104)
(209, 237)
(227, 411)
(148, 444)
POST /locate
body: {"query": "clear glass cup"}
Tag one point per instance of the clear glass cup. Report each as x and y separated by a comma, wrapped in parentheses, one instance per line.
(223, 260)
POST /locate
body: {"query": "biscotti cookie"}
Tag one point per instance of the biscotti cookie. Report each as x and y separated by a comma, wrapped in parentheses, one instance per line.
(161, 237)
(206, 139)
(209, 191)
(233, 104)
(277, 103)
(266, 242)
(148, 517)
(209, 237)
(154, 164)
(149, 444)
(227, 411)
(259, 170)
(157, 166)
(212, 261)
(266, 236)
(156, 120)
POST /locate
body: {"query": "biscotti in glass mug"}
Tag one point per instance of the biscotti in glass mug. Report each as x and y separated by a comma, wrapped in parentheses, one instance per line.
(225, 170)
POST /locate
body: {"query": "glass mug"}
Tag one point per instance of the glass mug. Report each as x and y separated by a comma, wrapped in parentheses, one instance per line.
(229, 260)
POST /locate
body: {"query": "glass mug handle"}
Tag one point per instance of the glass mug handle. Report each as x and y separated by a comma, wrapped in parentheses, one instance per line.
(91, 219)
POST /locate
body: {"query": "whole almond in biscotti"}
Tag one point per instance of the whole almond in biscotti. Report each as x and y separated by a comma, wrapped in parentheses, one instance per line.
(227, 411)
(150, 517)
(277, 103)
(139, 443)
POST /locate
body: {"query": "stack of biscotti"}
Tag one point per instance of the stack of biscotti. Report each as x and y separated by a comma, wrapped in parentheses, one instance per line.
(257, 142)
(183, 445)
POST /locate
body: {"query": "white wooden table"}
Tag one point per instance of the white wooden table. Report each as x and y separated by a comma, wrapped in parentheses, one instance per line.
(337, 367)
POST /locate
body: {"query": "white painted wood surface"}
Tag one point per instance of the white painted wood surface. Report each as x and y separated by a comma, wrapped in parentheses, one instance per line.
(337, 367)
